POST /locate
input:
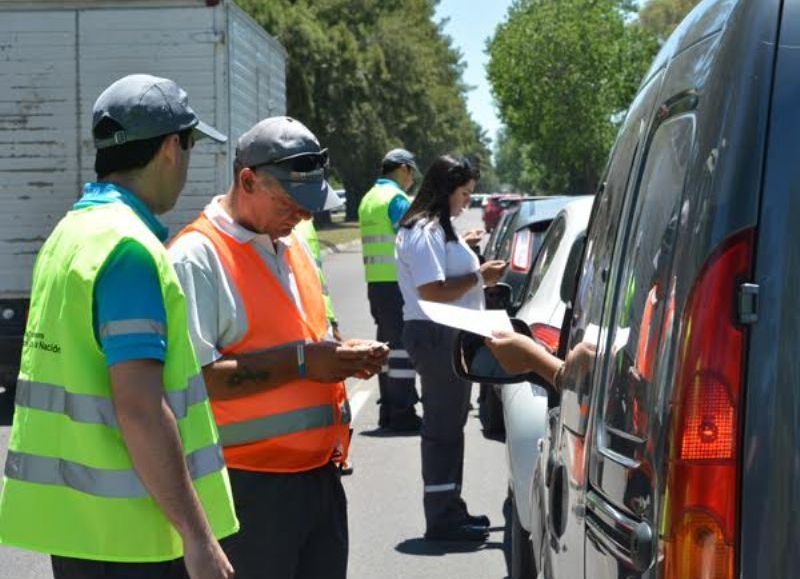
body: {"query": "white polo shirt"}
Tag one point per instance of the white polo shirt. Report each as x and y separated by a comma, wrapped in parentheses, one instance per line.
(216, 313)
(424, 256)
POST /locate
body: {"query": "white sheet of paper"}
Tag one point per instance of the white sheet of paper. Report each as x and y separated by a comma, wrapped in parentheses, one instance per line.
(482, 322)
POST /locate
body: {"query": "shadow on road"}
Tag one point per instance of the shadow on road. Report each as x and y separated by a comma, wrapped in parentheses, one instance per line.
(6, 405)
(419, 546)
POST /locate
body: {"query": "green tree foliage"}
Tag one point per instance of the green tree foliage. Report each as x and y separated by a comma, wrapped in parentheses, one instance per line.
(562, 71)
(370, 75)
(661, 17)
(512, 165)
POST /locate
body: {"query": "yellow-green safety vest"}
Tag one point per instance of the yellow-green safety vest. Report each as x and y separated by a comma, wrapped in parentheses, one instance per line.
(70, 488)
(306, 230)
(377, 233)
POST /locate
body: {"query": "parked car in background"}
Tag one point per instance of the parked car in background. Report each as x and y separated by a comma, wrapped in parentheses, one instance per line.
(495, 205)
(517, 240)
(477, 199)
(342, 195)
(674, 451)
(524, 404)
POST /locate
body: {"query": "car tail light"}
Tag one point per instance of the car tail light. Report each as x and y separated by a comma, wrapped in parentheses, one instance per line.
(546, 335)
(703, 485)
(521, 251)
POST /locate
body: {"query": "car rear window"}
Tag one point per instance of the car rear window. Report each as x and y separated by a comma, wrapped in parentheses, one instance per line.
(548, 250)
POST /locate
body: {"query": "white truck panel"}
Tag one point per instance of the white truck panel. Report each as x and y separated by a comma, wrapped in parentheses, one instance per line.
(38, 136)
(56, 56)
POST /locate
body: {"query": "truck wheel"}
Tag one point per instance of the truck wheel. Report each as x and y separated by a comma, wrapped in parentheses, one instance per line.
(491, 411)
(522, 566)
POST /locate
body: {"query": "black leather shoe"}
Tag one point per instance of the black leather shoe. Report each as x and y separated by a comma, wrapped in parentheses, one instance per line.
(464, 532)
(478, 520)
(405, 422)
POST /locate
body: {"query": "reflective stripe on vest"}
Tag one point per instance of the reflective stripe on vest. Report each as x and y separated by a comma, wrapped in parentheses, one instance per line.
(378, 259)
(91, 409)
(107, 483)
(378, 239)
(296, 426)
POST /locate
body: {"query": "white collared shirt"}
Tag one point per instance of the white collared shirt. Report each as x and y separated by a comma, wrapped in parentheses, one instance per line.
(216, 313)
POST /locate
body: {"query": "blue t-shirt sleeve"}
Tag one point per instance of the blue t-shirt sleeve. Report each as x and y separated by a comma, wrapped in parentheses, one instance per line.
(397, 208)
(129, 315)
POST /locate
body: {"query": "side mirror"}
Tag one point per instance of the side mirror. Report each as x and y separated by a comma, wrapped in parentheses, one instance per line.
(474, 361)
(498, 296)
(570, 279)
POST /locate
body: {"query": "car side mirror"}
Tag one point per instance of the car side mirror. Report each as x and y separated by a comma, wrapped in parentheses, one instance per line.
(570, 279)
(474, 361)
(498, 296)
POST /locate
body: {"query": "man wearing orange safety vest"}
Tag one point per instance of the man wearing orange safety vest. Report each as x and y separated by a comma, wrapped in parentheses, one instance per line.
(274, 373)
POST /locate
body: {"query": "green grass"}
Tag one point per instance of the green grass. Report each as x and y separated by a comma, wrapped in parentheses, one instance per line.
(337, 232)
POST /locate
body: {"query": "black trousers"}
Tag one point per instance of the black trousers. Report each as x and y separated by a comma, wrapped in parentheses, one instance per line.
(398, 393)
(445, 405)
(293, 526)
(70, 568)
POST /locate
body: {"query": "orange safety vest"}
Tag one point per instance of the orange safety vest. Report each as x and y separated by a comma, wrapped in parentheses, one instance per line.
(300, 425)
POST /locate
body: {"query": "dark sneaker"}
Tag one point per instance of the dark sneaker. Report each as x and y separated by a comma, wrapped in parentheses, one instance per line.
(463, 532)
(478, 520)
(409, 422)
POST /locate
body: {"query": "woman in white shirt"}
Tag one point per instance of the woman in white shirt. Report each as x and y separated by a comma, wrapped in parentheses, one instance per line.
(435, 263)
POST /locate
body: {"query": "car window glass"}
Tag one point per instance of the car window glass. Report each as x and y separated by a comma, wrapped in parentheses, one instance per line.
(590, 296)
(507, 236)
(548, 250)
(642, 305)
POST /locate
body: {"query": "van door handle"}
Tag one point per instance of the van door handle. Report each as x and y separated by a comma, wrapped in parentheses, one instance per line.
(631, 539)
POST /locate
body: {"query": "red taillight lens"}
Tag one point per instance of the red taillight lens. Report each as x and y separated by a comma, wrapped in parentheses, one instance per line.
(703, 491)
(546, 335)
(521, 251)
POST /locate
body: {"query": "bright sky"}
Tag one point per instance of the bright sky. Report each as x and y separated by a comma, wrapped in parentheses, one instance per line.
(471, 23)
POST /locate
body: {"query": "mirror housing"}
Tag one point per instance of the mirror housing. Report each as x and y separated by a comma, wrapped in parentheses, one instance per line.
(473, 361)
(569, 282)
(498, 296)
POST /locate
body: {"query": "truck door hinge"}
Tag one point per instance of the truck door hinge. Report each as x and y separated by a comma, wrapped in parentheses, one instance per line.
(748, 303)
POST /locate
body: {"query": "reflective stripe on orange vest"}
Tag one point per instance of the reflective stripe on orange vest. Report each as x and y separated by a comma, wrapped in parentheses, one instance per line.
(297, 426)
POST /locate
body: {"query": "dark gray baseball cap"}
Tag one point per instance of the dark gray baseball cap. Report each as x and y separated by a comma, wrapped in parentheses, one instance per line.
(290, 152)
(147, 106)
(401, 157)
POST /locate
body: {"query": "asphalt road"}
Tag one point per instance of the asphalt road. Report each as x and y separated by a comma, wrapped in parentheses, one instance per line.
(385, 492)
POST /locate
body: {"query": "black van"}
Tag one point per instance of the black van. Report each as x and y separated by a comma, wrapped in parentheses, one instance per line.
(675, 453)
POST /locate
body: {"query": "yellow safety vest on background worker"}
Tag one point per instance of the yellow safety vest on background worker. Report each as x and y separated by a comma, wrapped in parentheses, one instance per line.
(377, 233)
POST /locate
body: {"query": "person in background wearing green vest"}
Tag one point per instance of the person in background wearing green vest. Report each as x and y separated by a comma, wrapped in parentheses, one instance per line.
(114, 465)
(308, 233)
(379, 215)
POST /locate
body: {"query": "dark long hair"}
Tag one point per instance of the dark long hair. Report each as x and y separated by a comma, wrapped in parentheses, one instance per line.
(446, 174)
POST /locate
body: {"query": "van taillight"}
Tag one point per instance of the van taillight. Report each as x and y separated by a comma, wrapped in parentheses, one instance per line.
(521, 251)
(546, 335)
(701, 516)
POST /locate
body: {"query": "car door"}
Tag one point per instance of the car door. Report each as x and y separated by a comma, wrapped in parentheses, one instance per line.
(565, 480)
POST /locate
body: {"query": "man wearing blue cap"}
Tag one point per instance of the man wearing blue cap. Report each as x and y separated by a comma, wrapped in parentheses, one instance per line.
(114, 465)
(379, 215)
(274, 373)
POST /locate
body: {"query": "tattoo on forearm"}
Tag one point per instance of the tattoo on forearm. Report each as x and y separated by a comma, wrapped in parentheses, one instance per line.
(244, 375)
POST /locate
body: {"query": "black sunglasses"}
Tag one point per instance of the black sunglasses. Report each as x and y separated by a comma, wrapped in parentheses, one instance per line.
(301, 164)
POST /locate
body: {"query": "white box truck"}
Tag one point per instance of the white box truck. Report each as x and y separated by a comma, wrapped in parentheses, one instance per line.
(55, 59)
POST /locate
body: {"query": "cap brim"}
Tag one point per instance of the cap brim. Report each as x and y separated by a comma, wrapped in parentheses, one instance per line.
(202, 130)
(312, 197)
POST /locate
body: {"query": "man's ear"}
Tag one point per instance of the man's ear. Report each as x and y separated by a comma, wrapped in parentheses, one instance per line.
(171, 147)
(247, 179)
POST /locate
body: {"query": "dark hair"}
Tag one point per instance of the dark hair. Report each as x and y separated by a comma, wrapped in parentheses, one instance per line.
(389, 166)
(447, 174)
(129, 156)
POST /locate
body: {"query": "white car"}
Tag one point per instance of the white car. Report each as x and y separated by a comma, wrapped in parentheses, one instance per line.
(525, 403)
